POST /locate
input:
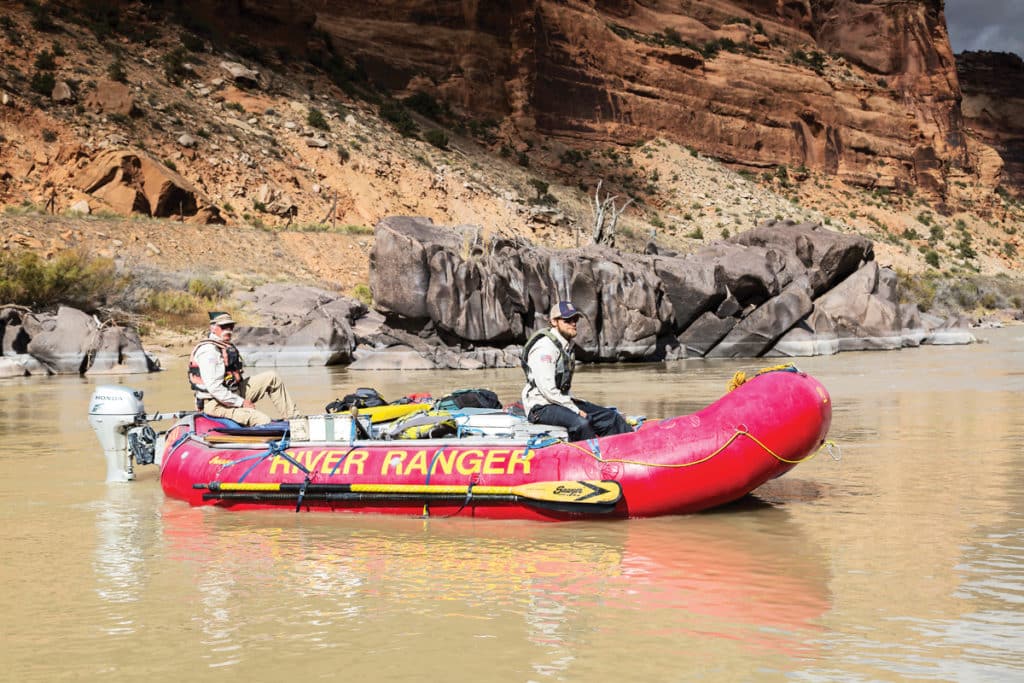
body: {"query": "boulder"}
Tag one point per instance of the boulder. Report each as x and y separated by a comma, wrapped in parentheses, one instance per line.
(705, 333)
(133, 181)
(399, 262)
(112, 98)
(756, 333)
(827, 257)
(861, 319)
(241, 75)
(61, 342)
(10, 367)
(120, 351)
(394, 358)
(62, 93)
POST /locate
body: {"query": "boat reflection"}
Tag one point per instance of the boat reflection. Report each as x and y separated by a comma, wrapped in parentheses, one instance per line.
(741, 575)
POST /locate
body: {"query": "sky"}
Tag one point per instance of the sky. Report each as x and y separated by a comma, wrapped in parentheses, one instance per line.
(996, 25)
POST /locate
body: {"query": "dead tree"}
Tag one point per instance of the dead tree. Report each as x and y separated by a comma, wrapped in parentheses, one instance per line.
(606, 216)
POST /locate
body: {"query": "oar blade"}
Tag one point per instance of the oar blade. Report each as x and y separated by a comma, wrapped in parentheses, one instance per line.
(576, 492)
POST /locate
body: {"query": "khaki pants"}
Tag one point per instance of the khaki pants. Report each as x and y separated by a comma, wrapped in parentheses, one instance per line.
(253, 389)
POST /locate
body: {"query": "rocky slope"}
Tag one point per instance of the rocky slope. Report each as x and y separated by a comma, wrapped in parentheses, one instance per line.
(306, 123)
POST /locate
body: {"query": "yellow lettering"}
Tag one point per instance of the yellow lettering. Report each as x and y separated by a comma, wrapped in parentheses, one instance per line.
(330, 461)
(286, 467)
(355, 461)
(473, 466)
(444, 462)
(418, 463)
(393, 459)
(495, 462)
(311, 461)
(517, 458)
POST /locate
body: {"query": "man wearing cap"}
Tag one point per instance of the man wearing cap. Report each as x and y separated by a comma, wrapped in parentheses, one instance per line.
(215, 374)
(548, 362)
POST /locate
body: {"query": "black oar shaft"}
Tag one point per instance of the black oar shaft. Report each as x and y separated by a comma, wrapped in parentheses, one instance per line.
(321, 496)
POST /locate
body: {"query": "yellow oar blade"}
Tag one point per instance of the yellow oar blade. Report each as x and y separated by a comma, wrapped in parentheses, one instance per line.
(586, 492)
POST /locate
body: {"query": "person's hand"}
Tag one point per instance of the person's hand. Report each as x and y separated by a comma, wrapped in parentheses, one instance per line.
(246, 403)
(582, 414)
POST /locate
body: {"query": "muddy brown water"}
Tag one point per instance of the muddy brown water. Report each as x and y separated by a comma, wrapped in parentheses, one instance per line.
(902, 560)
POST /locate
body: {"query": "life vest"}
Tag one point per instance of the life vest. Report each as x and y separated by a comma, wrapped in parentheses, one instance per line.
(232, 366)
(563, 366)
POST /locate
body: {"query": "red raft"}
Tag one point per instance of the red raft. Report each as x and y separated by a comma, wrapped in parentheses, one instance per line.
(758, 431)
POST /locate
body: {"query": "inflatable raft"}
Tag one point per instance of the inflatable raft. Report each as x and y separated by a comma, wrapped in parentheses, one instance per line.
(494, 466)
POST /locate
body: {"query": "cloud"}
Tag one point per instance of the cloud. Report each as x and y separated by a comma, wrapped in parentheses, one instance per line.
(996, 25)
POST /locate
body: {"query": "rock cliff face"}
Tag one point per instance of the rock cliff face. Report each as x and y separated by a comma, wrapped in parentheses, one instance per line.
(993, 106)
(863, 89)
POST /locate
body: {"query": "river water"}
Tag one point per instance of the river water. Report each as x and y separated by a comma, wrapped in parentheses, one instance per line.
(902, 560)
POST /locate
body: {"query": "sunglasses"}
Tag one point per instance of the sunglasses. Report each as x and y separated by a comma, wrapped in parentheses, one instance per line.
(230, 326)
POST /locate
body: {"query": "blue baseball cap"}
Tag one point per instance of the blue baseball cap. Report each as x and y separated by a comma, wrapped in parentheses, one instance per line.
(563, 310)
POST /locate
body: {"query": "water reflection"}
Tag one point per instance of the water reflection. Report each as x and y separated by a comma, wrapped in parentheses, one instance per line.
(552, 590)
(127, 531)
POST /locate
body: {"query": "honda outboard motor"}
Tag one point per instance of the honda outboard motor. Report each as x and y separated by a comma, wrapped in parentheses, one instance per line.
(119, 419)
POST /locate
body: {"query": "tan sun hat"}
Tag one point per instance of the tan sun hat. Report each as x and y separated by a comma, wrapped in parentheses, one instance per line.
(221, 318)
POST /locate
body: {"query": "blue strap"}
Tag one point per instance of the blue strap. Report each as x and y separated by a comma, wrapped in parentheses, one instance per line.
(595, 448)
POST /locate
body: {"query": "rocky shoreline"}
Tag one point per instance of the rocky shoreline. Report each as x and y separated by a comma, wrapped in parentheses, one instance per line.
(444, 298)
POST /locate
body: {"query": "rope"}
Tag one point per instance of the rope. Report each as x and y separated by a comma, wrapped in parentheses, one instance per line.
(740, 377)
(737, 434)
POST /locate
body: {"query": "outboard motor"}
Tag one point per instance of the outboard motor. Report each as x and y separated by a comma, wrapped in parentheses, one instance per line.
(119, 419)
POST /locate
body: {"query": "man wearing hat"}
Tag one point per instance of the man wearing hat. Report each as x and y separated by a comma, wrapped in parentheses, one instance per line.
(215, 374)
(548, 362)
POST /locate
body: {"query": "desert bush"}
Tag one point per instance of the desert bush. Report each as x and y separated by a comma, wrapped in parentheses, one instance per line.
(72, 277)
(116, 71)
(362, 293)
(316, 119)
(399, 117)
(437, 138)
(43, 83)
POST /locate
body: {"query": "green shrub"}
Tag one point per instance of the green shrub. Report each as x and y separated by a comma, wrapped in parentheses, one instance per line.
(362, 293)
(208, 289)
(399, 117)
(423, 103)
(438, 138)
(174, 65)
(116, 71)
(316, 119)
(43, 83)
(932, 258)
(45, 61)
(72, 277)
(173, 303)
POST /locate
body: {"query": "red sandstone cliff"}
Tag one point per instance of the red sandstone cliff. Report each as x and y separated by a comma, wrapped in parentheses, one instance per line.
(993, 107)
(863, 90)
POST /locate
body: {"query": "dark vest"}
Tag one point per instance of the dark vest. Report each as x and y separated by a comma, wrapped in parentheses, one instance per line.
(232, 366)
(563, 366)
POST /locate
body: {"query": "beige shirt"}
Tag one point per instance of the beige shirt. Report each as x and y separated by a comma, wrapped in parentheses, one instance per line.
(542, 362)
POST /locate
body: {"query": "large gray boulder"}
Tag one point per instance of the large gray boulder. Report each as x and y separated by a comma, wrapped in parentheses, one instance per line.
(862, 320)
(298, 325)
(826, 256)
(758, 332)
(61, 342)
(399, 262)
(120, 351)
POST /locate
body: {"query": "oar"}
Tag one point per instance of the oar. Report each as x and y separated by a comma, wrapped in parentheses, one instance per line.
(573, 495)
